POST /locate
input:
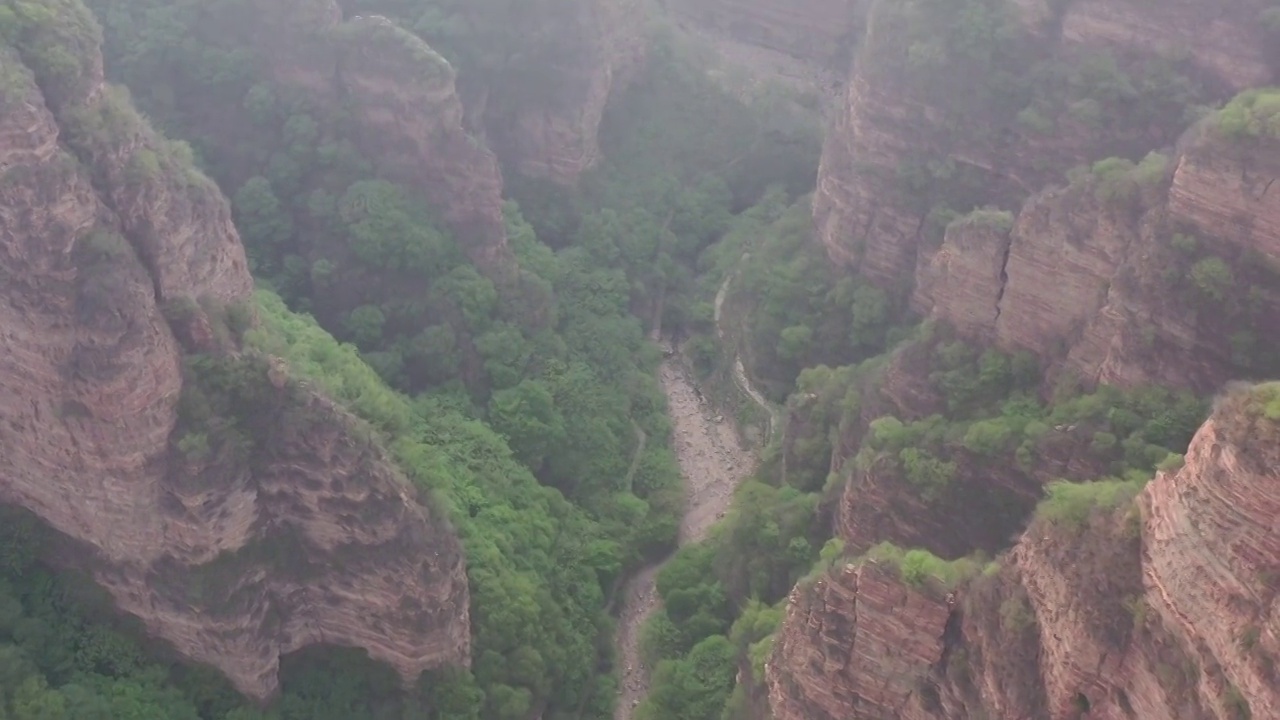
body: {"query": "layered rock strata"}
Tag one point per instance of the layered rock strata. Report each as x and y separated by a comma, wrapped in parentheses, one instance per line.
(555, 134)
(406, 111)
(871, 212)
(1118, 288)
(106, 229)
(817, 32)
(1162, 608)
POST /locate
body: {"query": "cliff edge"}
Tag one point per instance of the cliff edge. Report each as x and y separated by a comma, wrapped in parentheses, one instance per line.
(128, 418)
(1162, 605)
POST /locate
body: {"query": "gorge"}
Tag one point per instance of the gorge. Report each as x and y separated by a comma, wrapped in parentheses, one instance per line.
(577, 359)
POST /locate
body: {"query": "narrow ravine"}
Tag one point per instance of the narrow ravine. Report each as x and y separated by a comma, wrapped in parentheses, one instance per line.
(713, 462)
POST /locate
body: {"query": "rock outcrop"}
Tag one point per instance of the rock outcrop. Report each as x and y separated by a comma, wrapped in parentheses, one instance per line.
(411, 120)
(853, 645)
(1112, 274)
(117, 257)
(1161, 607)
(407, 116)
(922, 128)
(552, 132)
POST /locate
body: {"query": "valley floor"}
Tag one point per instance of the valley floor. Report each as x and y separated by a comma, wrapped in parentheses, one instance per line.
(713, 462)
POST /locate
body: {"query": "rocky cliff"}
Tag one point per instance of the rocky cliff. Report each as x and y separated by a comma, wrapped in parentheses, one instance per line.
(1163, 606)
(928, 124)
(1164, 272)
(552, 131)
(117, 258)
(406, 117)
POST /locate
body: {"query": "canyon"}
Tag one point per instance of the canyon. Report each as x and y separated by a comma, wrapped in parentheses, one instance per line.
(120, 268)
(1103, 277)
(1096, 210)
(1162, 606)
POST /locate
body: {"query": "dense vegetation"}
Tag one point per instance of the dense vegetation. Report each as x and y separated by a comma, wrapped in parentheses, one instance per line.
(529, 412)
(533, 419)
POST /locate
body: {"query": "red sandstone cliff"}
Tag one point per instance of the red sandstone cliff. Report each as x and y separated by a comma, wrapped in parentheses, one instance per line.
(899, 124)
(552, 132)
(820, 32)
(1107, 275)
(1162, 608)
(104, 225)
(406, 112)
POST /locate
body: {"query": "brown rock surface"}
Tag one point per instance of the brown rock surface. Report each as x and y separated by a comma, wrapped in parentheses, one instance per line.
(411, 119)
(1099, 285)
(1225, 37)
(322, 542)
(853, 645)
(815, 31)
(555, 136)
(1164, 608)
(888, 122)
(408, 116)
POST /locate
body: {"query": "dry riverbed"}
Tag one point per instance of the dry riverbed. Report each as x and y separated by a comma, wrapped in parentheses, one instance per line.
(713, 463)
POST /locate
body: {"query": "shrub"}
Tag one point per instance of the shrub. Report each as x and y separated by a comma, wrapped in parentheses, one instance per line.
(1172, 463)
(1237, 705)
(998, 220)
(1072, 504)
(1213, 278)
(918, 567)
(1252, 114)
(1185, 244)
(1015, 614)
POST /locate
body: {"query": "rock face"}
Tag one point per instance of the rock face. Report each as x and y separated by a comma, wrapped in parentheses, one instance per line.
(1117, 287)
(1225, 38)
(411, 119)
(407, 113)
(893, 151)
(106, 229)
(554, 135)
(853, 645)
(1163, 608)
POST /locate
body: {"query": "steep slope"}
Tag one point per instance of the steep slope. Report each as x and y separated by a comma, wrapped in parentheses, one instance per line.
(1165, 272)
(118, 257)
(945, 126)
(406, 114)
(775, 38)
(1163, 607)
(553, 134)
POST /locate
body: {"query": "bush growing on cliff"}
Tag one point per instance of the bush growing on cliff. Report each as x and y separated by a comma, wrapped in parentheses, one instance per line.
(1000, 221)
(1213, 279)
(1070, 505)
(1120, 180)
(1251, 114)
(921, 569)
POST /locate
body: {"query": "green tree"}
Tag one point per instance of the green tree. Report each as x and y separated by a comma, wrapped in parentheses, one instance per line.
(262, 222)
(527, 416)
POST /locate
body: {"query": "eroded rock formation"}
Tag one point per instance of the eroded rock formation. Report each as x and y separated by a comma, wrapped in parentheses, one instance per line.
(1112, 277)
(853, 645)
(1164, 607)
(909, 138)
(107, 236)
(406, 112)
(553, 132)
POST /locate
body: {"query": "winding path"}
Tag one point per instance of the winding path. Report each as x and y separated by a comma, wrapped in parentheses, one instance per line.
(713, 462)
